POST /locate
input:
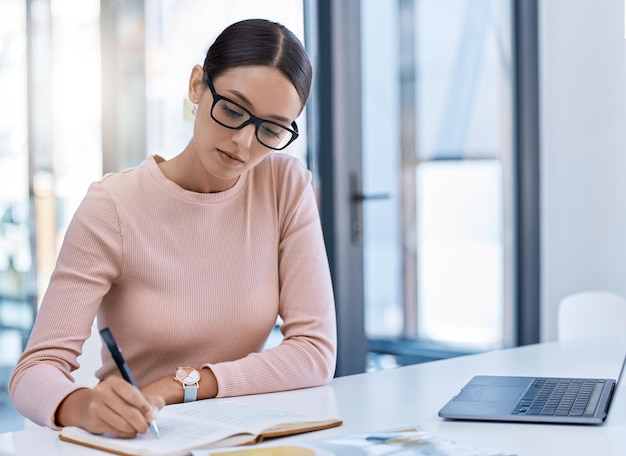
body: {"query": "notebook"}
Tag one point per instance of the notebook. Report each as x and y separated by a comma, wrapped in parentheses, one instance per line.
(534, 399)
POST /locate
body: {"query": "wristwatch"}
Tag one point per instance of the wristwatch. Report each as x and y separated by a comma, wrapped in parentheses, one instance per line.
(189, 378)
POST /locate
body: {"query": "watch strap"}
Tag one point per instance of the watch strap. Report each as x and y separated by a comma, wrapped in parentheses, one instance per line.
(188, 378)
(190, 393)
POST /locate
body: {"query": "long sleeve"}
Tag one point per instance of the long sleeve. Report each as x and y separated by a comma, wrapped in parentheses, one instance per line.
(88, 263)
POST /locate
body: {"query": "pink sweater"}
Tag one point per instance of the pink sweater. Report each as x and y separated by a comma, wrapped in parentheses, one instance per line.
(186, 278)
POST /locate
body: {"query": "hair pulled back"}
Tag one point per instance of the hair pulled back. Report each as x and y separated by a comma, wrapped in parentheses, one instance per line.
(261, 42)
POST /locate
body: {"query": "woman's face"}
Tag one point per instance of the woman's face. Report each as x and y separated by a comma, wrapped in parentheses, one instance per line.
(225, 153)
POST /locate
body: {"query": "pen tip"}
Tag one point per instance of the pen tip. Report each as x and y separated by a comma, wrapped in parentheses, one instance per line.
(155, 430)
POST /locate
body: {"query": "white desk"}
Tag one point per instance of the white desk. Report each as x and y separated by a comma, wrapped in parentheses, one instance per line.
(412, 395)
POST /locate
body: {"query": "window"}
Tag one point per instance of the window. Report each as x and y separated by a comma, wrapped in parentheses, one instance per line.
(16, 259)
(437, 139)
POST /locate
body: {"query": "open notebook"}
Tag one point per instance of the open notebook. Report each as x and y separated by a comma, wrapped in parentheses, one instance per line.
(534, 399)
(209, 423)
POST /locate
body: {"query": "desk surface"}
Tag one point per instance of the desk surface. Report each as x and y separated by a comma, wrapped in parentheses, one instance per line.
(412, 395)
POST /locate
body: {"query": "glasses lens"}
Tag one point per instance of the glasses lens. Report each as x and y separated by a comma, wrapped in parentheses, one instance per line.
(273, 135)
(229, 114)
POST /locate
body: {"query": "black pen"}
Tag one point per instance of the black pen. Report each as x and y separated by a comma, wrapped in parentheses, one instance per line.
(116, 353)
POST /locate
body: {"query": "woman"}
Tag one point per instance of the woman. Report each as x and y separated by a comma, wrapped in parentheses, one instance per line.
(189, 261)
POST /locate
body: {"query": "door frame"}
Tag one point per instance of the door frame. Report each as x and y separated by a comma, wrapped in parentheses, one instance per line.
(336, 155)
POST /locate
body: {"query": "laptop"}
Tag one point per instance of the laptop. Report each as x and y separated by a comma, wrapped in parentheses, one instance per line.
(534, 399)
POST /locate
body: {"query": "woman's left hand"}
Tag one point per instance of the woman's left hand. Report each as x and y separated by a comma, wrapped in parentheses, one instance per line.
(172, 391)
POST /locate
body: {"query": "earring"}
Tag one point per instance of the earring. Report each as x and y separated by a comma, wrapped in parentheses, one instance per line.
(194, 110)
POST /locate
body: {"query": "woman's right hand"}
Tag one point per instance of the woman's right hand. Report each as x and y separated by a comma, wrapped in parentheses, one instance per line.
(113, 407)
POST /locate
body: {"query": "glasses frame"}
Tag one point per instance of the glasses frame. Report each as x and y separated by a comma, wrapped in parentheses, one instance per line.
(257, 121)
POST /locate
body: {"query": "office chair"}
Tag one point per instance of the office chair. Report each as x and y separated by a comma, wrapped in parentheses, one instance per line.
(591, 313)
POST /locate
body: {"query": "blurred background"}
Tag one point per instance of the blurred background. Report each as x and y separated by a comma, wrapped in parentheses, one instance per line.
(468, 155)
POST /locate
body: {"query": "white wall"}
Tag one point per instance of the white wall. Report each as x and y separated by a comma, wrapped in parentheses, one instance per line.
(583, 150)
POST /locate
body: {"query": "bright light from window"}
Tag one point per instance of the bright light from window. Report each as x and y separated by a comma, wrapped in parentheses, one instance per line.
(76, 99)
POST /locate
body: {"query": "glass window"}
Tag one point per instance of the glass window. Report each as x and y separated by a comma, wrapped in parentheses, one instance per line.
(16, 262)
(75, 154)
(437, 137)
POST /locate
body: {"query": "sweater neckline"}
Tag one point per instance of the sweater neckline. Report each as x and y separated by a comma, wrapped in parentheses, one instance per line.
(151, 162)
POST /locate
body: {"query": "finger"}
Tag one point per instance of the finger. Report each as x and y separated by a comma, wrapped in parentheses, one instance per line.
(122, 407)
(138, 411)
(156, 404)
(147, 407)
(108, 420)
(106, 428)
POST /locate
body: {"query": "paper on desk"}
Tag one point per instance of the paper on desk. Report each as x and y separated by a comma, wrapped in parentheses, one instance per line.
(412, 443)
(272, 450)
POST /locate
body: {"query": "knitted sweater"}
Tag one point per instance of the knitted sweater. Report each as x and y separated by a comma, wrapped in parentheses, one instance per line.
(188, 279)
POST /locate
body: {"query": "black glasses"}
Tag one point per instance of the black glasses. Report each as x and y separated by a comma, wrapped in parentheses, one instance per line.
(231, 115)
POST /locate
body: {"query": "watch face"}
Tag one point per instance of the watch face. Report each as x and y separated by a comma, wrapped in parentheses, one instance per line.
(188, 375)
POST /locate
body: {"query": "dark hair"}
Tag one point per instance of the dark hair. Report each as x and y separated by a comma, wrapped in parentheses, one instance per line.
(261, 42)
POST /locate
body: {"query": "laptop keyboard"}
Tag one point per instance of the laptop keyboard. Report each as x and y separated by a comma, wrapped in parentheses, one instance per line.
(561, 397)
